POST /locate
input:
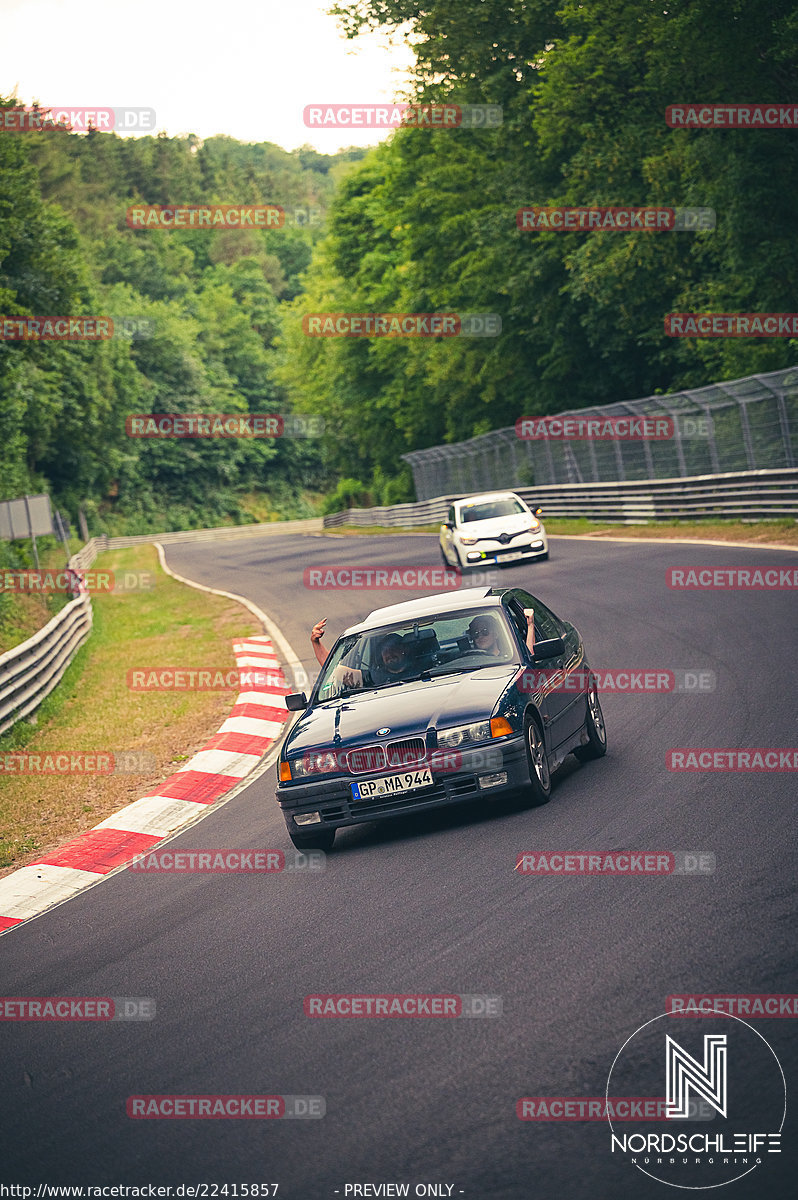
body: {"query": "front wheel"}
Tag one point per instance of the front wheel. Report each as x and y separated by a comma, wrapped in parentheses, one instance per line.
(596, 746)
(539, 773)
(322, 840)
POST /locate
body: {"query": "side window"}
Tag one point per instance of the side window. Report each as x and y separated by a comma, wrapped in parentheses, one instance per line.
(450, 516)
(546, 624)
(517, 618)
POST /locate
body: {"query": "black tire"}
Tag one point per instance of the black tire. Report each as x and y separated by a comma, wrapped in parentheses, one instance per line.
(539, 791)
(596, 746)
(322, 840)
(460, 565)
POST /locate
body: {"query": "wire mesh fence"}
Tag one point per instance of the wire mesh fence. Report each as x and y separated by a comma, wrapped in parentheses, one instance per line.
(742, 425)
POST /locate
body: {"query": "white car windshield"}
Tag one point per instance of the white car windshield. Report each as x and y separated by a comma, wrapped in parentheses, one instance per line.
(489, 509)
(442, 644)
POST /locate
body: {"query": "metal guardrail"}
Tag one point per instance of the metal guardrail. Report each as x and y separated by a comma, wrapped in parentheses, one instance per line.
(29, 672)
(745, 424)
(423, 512)
(753, 494)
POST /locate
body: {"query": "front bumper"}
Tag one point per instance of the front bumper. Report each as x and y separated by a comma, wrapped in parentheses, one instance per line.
(332, 797)
(495, 552)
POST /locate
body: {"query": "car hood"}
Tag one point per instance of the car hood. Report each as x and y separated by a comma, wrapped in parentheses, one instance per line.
(496, 525)
(407, 709)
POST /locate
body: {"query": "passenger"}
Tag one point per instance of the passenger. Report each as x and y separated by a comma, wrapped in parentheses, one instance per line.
(484, 633)
(316, 634)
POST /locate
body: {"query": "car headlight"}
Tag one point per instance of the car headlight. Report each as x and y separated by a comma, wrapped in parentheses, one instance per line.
(462, 735)
(466, 541)
(534, 527)
(315, 762)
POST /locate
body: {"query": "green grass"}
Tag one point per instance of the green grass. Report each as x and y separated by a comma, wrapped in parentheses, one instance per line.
(94, 710)
(22, 613)
(756, 532)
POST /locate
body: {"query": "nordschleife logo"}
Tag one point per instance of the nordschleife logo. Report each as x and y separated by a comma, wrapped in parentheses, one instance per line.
(733, 1073)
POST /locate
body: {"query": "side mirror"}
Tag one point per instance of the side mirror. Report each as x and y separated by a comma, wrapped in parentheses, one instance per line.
(538, 511)
(548, 649)
(296, 701)
(448, 525)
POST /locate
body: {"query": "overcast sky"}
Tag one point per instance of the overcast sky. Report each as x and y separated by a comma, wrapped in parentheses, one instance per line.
(205, 66)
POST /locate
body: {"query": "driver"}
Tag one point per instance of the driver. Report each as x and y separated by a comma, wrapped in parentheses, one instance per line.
(393, 660)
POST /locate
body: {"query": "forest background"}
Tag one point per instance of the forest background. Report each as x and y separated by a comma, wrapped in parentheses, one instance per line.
(425, 222)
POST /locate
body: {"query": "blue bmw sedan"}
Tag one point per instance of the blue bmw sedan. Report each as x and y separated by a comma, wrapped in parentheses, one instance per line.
(435, 701)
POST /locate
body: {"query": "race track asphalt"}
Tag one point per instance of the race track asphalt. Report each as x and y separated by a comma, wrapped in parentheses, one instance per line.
(432, 904)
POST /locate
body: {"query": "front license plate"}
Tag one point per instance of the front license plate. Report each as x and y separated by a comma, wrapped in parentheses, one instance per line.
(514, 554)
(391, 785)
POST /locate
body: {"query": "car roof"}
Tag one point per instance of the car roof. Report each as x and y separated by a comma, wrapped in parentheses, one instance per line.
(426, 606)
(489, 496)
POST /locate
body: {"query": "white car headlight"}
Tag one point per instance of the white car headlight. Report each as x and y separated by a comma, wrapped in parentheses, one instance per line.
(467, 541)
(535, 526)
(460, 735)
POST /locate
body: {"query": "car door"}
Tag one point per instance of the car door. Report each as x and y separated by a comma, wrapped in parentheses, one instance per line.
(446, 536)
(563, 673)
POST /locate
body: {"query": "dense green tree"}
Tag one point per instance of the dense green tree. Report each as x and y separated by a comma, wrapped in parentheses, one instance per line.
(428, 222)
(211, 303)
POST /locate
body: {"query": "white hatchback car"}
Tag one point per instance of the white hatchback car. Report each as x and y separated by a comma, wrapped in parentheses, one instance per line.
(496, 527)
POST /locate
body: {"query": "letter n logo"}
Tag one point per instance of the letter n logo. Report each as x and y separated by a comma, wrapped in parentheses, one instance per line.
(683, 1072)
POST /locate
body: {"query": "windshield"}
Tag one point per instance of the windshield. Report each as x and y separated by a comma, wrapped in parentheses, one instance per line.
(436, 645)
(491, 508)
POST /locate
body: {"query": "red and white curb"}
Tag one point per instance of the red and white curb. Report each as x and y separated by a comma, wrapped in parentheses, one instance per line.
(254, 724)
